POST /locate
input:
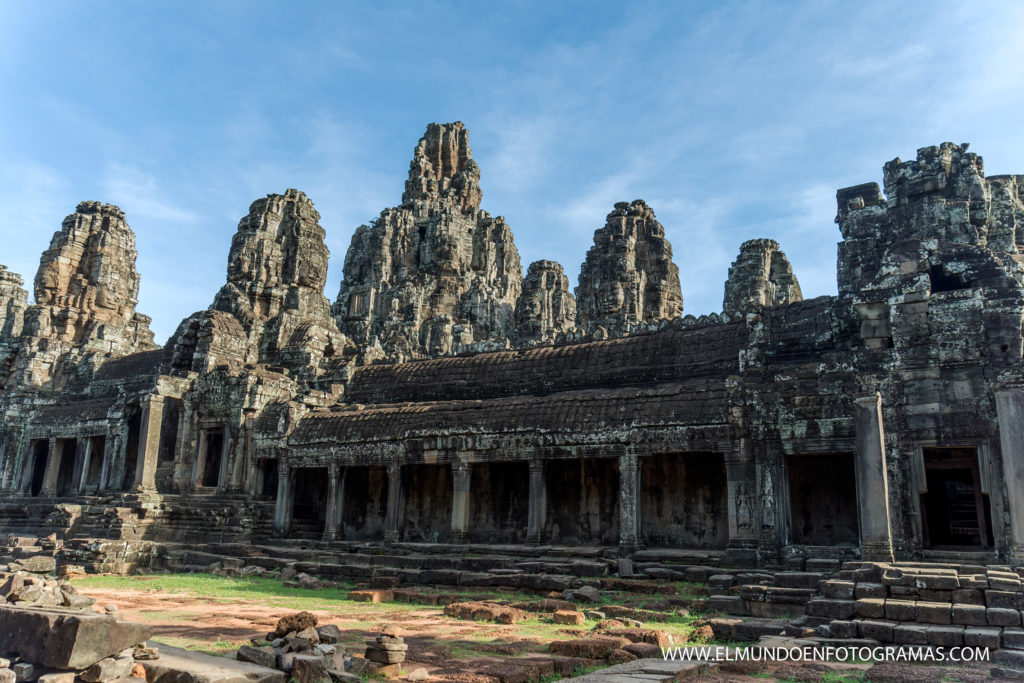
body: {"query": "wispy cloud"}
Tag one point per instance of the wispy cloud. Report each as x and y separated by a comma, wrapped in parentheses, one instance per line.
(140, 194)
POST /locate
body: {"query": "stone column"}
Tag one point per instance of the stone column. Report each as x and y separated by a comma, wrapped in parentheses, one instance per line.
(872, 481)
(225, 454)
(85, 456)
(629, 503)
(199, 461)
(283, 504)
(396, 499)
(52, 468)
(331, 517)
(743, 503)
(149, 443)
(23, 476)
(1010, 411)
(461, 486)
(537, 512)
(109, 448)
(186, 421)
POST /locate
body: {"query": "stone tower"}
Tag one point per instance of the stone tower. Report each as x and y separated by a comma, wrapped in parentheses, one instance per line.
(86, 290)
(272, 308)
(435, 274)
(546, 307)
(760, 276)
(628, 276)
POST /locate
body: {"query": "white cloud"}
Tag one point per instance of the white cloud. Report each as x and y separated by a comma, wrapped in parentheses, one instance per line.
(139, 194)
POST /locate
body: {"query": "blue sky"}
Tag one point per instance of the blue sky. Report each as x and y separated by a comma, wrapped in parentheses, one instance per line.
(733, 120)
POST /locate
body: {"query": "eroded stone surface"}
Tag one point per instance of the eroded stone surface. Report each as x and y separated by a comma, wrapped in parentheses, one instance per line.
(436, 274)
(760, 276)
(628, 276)
(86, 290)
(546, 307)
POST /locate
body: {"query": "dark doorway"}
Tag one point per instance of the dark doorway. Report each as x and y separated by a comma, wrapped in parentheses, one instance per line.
(39, 454)
(685, 500)
(954, 511)
(364, 504)
(428, 502)
(583, 501)
(269, 480)
(500, 502)
(66, 473)
(95, 465)
(211, 458)
(131, 452)
(310, 511)
(823, 499)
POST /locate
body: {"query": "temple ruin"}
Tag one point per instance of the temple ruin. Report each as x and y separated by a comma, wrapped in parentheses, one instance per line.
(445, 400)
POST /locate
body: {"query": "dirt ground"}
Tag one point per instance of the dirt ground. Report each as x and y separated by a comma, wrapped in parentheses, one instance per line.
(449, 649)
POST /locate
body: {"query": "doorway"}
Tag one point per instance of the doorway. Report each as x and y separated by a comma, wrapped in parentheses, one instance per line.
(955, 512)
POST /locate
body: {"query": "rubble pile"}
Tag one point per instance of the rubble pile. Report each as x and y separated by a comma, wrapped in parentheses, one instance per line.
(308, 652)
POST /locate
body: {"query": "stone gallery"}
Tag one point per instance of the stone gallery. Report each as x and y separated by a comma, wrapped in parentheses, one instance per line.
(444, 399)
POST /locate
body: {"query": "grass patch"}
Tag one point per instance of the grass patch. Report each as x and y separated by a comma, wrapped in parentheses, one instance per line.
(265, 591)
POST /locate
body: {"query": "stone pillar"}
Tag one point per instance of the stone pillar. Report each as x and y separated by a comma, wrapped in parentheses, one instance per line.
(331, 518)
(396, 499)
(283, 504)
(743, 503)
(872, 481)
(199, 460)
(536, 515)
(225, 454)
(24, 475)
(1010, 411)
(149, 443)
(84, 458)
(629, 503)
(186, 422)
(461, 486)
(52, 468)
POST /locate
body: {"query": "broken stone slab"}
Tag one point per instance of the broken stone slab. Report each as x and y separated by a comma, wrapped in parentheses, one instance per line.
(182, 666)
(108, 668)
(293, 623)
(310, 669)
(66, 639)
(40, 564)
(263, 656)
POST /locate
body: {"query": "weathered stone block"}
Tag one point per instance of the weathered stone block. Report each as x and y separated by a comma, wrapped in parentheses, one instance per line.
(948, 636)
(843, 629)
(870, 608)
(998, 616)
(969, 615)
(900, 610)
(982, 637)
(1013, 637)
(910, 634)
(839, 590)
(1003, 599)
(882, 631)
(870, 590)
(66, 639)
(969, 596)
(934, 612)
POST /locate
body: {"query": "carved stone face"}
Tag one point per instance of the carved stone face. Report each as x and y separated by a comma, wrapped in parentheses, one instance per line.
(532, 308)
(610, 298)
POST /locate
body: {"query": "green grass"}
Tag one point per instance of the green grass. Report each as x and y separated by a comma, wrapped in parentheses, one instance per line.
(269, 592)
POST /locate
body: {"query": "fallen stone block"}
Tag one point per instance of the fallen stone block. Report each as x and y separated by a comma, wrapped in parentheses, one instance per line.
(599, 647)
(66, 639)
(568, 617)
(263, 656)
(182, 666)
(485, 611)
(293, 623)
(108, 668)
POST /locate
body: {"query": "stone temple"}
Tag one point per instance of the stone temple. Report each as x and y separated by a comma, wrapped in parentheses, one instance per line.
(445, 402)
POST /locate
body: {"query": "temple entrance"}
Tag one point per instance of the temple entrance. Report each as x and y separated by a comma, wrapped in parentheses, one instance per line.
(40, 452)
(309, 513)
(66, 474)
(364, 504)
(209, 476)
(428, 502)
(583, 501)
(500, 501)
(955, 513)
(823, 499)
(684, 500)
(268, 479)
